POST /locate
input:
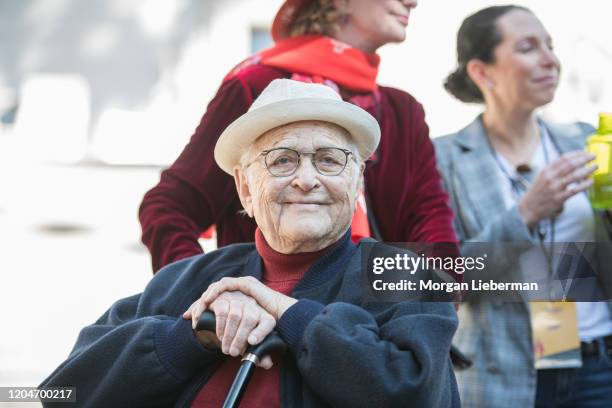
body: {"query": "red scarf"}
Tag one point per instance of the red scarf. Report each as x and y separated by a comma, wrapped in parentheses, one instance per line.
(321, 58)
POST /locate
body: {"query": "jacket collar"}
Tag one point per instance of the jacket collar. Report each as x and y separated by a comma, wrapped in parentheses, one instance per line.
(474, 136)
(565, 137)
(477, 175)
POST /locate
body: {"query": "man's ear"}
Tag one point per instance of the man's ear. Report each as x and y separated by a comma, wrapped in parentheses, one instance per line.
(360, 182)
(246, 199)
(361, 185)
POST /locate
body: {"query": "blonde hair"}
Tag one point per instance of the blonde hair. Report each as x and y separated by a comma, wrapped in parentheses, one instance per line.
(319, 17)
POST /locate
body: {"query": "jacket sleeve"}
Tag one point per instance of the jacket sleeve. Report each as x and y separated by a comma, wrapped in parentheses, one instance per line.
(351, 357)
(194, 191)
(508, 226)
(133, 357)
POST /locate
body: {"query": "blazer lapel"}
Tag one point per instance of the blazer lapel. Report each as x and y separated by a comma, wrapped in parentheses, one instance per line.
(565, 137)
(476, 167)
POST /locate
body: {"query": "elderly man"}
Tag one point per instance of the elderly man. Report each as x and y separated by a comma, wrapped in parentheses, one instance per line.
(297, 160)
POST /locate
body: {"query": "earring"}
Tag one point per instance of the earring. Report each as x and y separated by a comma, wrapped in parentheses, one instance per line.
(489, 84)
(344, 15)
(344, 18)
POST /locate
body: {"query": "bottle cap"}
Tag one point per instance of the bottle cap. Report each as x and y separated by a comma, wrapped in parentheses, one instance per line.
(605, 122)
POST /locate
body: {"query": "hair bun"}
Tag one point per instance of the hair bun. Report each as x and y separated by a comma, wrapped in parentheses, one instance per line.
(461, 86)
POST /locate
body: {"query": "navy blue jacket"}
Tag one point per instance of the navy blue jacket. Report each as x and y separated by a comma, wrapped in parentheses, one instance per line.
(342, 351)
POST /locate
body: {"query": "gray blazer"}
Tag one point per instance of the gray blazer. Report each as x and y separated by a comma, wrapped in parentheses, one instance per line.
(496, 336)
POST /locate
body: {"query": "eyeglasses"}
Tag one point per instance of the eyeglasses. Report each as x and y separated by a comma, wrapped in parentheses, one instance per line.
(282, 161)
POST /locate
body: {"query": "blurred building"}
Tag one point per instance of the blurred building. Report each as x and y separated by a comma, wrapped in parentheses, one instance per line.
(124, 82)
(136, 75)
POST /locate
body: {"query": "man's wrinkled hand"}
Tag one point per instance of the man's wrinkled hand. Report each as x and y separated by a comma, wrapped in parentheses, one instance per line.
(240, 322)
(272, 301)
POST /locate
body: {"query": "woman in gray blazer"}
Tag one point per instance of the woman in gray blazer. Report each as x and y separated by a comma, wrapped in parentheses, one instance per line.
(513, 177)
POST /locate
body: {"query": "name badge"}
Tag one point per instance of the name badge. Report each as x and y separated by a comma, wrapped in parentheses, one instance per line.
(556, 343)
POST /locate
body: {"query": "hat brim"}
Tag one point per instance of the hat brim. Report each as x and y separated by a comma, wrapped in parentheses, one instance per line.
(235, 139)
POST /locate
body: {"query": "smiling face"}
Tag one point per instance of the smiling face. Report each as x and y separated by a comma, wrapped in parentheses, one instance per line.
(526, 70)
(374, 23)
(306, 211)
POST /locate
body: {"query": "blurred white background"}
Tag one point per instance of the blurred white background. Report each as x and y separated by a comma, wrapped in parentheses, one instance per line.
(96, 97)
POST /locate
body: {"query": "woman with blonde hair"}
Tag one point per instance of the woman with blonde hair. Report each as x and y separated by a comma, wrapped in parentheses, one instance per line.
(332, 42)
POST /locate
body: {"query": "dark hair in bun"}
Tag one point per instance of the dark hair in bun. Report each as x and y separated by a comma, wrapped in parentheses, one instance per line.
(477, 38)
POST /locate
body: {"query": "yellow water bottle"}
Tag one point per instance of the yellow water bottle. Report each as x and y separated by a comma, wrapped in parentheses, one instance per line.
(600, 144)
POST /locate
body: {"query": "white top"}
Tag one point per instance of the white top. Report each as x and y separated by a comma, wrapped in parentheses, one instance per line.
(575, 224)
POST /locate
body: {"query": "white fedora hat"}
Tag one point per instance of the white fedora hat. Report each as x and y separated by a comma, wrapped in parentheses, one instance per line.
(286, 101)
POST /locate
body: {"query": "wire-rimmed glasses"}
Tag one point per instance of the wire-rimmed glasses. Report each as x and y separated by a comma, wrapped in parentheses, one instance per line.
(283, 161)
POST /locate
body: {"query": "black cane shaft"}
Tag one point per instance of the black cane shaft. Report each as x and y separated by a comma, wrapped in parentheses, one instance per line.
(271, 343)
(236, 391)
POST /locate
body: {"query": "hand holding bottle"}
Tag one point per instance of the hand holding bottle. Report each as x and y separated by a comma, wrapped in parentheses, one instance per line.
(560, 180)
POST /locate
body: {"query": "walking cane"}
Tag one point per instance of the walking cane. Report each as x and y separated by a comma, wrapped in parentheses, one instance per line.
(271, 343)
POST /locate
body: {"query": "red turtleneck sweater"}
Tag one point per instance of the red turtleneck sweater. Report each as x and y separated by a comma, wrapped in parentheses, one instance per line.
(282, 273)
